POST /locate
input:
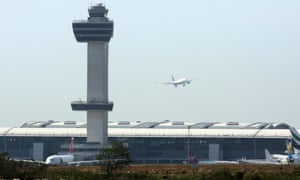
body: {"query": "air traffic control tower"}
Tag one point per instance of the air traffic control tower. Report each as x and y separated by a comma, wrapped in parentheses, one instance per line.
(96, 31)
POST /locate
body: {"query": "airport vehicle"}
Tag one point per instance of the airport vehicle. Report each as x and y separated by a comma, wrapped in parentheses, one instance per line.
(181, 81)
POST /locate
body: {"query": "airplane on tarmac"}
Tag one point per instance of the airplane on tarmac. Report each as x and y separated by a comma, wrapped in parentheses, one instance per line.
(62, 159)
(68, 159)
(293, 149)
(289, 158)
(181, 81)
(276, 159)
(56, 159)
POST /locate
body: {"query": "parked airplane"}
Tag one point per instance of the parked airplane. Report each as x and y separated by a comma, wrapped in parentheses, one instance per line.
(181, 81)
(68, 159)
(56, 159)
(62, 159)
(59, 159)
(278, 158)
(269, 159)
(289, 157)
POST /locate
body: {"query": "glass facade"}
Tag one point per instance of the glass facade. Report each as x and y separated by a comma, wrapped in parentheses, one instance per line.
(162, 150)
(175, 150)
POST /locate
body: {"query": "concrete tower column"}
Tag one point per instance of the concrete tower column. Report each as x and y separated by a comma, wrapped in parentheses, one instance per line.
(97, 78)
(96, 31)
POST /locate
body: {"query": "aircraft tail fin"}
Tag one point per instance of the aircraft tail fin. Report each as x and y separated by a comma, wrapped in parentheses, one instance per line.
(268, 155)
(173, 79)
(71, 147)
(192, 158)
(296, 151)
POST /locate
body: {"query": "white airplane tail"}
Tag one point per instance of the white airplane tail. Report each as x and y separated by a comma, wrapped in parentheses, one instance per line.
(296, 151)
(173, 79)
(268, 155)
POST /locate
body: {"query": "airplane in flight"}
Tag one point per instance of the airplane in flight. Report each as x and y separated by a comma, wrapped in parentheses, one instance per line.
(181, 81)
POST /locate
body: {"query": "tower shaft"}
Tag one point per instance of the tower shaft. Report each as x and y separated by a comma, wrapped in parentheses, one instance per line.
(96, 31)
(97, 90)
(97, 78)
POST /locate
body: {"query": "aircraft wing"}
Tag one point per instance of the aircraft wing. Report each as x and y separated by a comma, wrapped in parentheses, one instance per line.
(192, 79)
(92, 162)
(257, 161)
(30, 162)
(84, 163)
(218, 162)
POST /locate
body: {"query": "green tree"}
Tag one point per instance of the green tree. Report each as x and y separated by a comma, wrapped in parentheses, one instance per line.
(114, 157)
(11, 169)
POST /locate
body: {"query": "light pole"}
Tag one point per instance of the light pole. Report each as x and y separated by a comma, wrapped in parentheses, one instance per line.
(188, 145)
(254, 142)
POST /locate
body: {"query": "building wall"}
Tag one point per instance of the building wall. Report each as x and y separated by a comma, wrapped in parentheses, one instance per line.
(155, 149)
(175, 150)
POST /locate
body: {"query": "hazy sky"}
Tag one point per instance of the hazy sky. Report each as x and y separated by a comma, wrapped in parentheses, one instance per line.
(245, 54)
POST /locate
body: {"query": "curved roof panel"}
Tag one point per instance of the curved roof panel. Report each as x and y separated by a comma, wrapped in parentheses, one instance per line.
(153, 129)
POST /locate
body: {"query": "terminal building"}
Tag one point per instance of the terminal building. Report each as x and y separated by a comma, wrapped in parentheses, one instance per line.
(150, 142)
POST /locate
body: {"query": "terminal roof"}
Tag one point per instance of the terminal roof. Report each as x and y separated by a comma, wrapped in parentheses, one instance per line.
(166, 124)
